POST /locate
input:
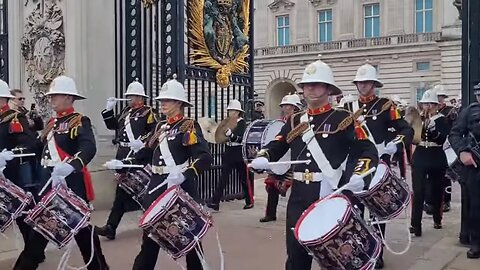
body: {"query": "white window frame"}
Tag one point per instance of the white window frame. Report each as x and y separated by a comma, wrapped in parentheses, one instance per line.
(324, 24)
(424, 11)
(365, 17)
(285, 28)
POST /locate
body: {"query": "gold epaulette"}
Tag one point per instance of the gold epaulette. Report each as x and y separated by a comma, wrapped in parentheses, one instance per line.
(187, 125)
(292, 117)
(387, 105)
(75, 121)
(297, 131)
(155, 134)
(8, 116)
(345, 123)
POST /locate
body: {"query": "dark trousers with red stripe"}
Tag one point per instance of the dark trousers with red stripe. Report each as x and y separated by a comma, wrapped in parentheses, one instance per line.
(423, 177)
(227, 171)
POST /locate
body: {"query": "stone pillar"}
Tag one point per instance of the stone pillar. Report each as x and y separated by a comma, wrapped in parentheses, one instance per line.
(451, 24)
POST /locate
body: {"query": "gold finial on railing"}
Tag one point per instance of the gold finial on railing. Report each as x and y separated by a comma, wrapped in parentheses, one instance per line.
(149, 3)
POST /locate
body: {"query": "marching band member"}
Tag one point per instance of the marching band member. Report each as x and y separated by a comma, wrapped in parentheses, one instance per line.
(132, 125)
(326, 137)
(277, 185)
(399, 156)
(232, 158)
(464, 138)
(169, 148)
(429, 162)
(15, 134)
(69, 145)
(377, 115)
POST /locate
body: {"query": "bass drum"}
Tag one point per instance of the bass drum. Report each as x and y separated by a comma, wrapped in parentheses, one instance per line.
(258, 134)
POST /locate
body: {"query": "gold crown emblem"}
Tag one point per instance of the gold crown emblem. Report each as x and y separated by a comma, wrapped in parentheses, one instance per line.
(225, 2)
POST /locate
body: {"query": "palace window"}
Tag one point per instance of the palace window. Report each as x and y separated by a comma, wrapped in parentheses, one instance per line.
(423, 16)
(372, 20)
(325, 25)
(283, 30)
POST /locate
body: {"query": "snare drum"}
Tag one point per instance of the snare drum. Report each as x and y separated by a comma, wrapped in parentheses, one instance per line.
(387, 196)
(336, 236)
(176, 222)
(258, 134)
(59, 216)
(13, 201)
(135, 183)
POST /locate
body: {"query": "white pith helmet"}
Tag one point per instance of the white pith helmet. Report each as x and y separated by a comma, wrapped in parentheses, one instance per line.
(347, 99)
(173, 90)
(136, 89)
(63, 85)
(397, 99)
(319, 72)
(367, 72)
(429, 96)
(441, 90)
(292, 99)
(5, 90)
(235, 105)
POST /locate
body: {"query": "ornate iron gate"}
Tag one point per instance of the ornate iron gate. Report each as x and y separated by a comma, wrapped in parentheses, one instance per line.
(154, 42)
(4, 40)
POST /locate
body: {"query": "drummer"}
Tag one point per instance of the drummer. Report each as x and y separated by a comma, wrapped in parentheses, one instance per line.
(15, 133)
(277, 185)
(132, 125)
(336, 139)
(378, 115)
(69, 145)
(232, 159)
(169, 148)
(429, 162)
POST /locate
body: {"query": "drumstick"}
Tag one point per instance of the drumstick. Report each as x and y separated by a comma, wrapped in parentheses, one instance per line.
(157, 187)
(45, 186)
(128, 166)
(122, 99)
(338, 191)
(287, 162)
(23, 155)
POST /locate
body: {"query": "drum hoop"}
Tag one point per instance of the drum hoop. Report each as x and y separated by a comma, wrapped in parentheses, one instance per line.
(310, 209)
(141, 222)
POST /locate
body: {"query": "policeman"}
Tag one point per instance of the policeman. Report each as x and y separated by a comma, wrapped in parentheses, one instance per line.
(277, 185)
(15, 134)
(464, 138)
(232, 159)
(69, 145)
(178, 154)
(429, 162)
(258, 111)
(335, 139)
(377, 115)
(132, 125)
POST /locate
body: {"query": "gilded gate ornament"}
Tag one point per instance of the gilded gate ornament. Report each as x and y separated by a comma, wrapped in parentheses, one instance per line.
(219, 36)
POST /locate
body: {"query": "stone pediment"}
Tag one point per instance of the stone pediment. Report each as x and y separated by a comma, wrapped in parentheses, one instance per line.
(277, 4)
(317, 3)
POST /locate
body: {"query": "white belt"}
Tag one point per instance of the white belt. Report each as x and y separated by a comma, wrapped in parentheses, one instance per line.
(124, 144)
(48, 163)
(308, 177)
(234, 144)
(167, 169)
(429, 144)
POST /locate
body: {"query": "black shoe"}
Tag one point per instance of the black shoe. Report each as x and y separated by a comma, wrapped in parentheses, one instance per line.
(267, 219)
(214, 206)
(474, 252)
(248, 206)
(416, 230)
(446, 207)
(437, 226)
(379, 264)
(106, 231)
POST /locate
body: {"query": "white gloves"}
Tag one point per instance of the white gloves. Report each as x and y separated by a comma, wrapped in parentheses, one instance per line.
(3, 162)
(136, 145)
(391, 148)
(431, 126)
(58, 181)
(111, 102)
(5, 156)
(356, 183)
(62, 170)
(175, 179)
(114, 164)
(228, 132)
(260, 163)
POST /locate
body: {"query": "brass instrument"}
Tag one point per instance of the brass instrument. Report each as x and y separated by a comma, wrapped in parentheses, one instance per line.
(414, 119)
(227, 123)
(208, 126)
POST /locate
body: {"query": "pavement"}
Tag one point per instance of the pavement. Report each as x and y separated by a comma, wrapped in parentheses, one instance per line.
(247, 244)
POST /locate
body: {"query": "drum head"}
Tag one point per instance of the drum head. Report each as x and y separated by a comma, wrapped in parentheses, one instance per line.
(160, 204)
(321, 218)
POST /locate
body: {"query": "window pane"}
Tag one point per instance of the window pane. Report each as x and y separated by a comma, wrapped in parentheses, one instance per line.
(428, 4)
(329, 32)
(376, 9)
(287, 36)
(287, 21)
(422, 66)
(280, 37)
(329, 15)
(279, 22)
(368, 10)
(419, 22)
(428, 21)
(368, 27)
(419, 5)
(376, 27)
